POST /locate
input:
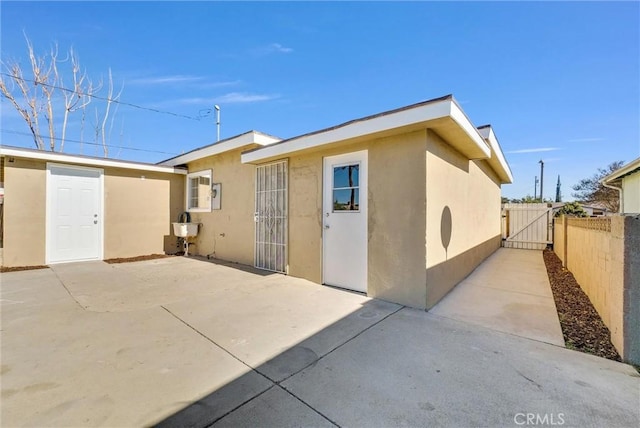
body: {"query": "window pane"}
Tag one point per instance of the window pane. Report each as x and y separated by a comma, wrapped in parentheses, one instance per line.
(346, 200)
(193, 192)
(346, 176)
(199, 192)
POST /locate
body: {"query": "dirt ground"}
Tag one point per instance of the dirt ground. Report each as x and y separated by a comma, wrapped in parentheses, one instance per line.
(137, 259)
(4, 269)
(582, 327)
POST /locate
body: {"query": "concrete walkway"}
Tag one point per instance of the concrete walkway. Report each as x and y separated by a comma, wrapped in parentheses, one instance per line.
(509, 292)
(181, 342)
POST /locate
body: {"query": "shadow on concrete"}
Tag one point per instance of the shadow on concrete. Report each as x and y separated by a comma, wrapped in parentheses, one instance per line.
(234, 265)
(266, 378)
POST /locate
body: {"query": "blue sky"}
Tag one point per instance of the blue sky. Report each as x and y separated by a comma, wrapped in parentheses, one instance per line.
(558, 81)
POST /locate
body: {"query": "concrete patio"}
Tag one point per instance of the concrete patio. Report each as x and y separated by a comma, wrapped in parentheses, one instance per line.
(186, 342)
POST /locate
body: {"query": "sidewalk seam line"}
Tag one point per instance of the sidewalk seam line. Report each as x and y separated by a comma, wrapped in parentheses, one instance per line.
(68, 292)
(217, 345)
(210, 424)
(508, 291)
(307, 404)
(341, 345)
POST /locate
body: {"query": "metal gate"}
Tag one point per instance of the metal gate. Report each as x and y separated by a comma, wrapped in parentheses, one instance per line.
(527, 226)
(271, 217)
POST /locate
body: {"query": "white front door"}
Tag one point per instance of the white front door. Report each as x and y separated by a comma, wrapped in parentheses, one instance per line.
(344, 214)
(74, 213)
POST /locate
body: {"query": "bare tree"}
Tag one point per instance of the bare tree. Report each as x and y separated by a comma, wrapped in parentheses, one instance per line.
(590, 190)
(37, 95)
(78, 98)
(110, 99)
(29, 108)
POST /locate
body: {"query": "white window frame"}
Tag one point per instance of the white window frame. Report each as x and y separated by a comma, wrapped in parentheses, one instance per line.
(204, 173)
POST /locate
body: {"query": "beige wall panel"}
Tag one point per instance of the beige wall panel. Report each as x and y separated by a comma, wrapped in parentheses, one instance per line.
(228, 233)
(305, 217)
(177, 186)
(24, 212)
(137, 208)
(396, 219)
(471, 192)
(631, 198)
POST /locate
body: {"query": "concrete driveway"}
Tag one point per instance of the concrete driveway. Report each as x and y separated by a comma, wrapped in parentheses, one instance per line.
(184, 342)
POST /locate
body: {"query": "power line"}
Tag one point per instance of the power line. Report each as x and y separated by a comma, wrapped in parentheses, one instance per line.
(102, 98)
(67, 140)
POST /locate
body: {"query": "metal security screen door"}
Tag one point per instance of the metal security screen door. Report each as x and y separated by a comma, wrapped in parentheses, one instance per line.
(271, 217)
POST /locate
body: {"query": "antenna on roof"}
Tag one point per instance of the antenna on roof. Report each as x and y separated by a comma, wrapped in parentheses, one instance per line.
(217, 107)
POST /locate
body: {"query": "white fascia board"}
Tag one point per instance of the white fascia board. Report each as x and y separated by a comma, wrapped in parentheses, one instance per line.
(356, 129)
(631, 166)
(221, 147)
(496, 152)
(461, 119)
(65, 158)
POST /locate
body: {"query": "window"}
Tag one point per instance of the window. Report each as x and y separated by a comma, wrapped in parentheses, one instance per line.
(346, 188)
(199, 191)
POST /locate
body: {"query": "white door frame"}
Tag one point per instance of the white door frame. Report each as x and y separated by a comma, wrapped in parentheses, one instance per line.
(49, 206)
(327, 186)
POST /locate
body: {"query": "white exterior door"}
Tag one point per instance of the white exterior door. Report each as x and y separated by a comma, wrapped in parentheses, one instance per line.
(74, 214)
(344, 243)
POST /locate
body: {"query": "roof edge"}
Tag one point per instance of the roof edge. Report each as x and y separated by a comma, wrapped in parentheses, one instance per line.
(411, 115)
(623, 171)
(222, 146)
(497, 161)
(22, 152)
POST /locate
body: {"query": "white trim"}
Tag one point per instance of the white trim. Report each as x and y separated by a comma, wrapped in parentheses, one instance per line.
(461, 119)
(49, 201)
(497, 160)
(221, 147)
(203, 173)
(73, 159)
(421, 114)
(625, 169)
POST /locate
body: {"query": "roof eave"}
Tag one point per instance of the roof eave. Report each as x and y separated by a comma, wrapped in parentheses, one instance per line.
(443, 115)
(497, 161)
(86, 160)
(627, 169)
(232, 143)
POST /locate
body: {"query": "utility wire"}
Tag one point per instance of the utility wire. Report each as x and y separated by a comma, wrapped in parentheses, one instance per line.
(101, 98)
(67, 140)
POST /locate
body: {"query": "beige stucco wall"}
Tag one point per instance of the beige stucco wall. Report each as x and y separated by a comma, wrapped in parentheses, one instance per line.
(138, 208)
(471, 191)
(137, 212)
(396, 192)
(558, 237)
(631, 189)
(227, 233)
(603, 256)
(24, 212)
(412, 177)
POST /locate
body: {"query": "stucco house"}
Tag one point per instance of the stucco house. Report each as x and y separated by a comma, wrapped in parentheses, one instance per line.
(627, 180)
(401, 205)
(62, 208)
